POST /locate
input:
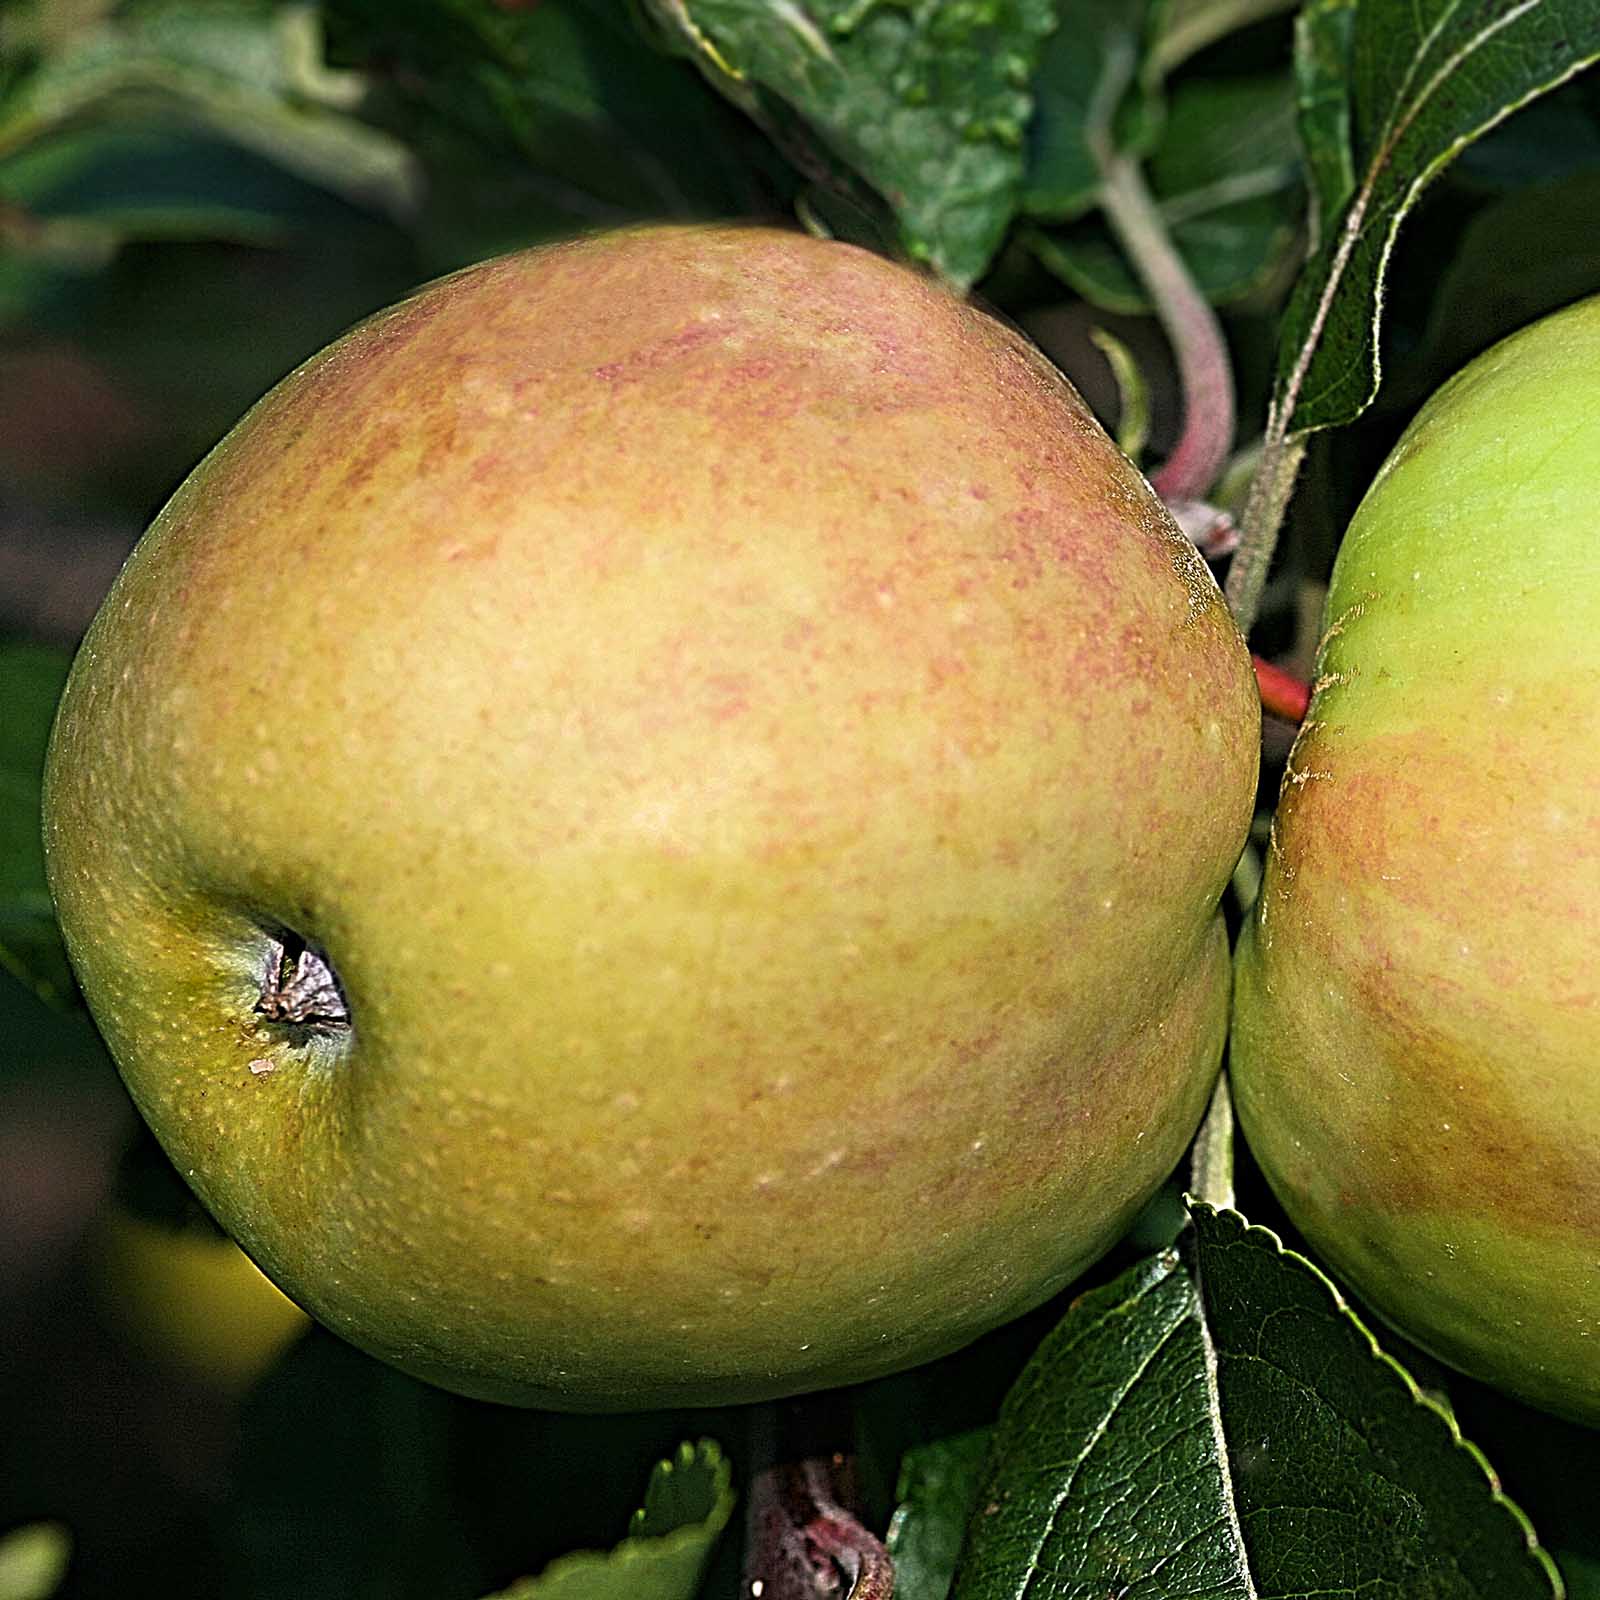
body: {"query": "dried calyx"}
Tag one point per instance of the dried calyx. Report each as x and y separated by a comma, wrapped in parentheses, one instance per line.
(299, 986)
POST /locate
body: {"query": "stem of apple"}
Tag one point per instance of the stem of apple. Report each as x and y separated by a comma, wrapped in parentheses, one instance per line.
(1282, 693)
(1264, 509)
(805, 1541)
(1211, 1160)
(1204, 367)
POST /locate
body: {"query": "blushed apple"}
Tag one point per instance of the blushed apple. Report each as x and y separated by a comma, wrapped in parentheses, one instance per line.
(648, 828)
(1416, 1051)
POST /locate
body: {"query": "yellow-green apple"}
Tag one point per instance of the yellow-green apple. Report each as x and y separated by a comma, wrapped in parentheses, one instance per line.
(191, 1298)
(1416, 1049)
(648, 828)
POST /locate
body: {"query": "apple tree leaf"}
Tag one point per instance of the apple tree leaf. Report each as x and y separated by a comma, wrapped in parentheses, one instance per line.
(248, 73)
(926, 100)
(1088, 86)
(687, 1504)
(33, 1560)
(1421, 80)
(934, 1498)
(1226, 179)
(345, 1482)
(1345, 1475)
(1555, 137)
(1323, 34)
(533, 121)
(1104, 1471)
(99, 183)
(1216, 1421)
(1182, 28)
(31, 677)
(1527, 253)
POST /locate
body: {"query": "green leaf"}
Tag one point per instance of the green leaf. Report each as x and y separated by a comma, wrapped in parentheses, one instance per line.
(1554, 137)
(687, 1504)
(935, 1497)
(1346, 1477)
(1324, 35)
(31, 677)
(927, 100)
(1228, 184)
(256, 77)
(1087, 95)
(1222, 1425)
(1104, 1473)
(540, 120)
(1424, 78)
(89, 188)
(1521, 257)
(1133, 401)
(344, 1483)
(33, 1561)
(1182, 28)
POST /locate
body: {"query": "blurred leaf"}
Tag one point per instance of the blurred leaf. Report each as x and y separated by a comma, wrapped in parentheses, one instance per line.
(355, 1480)
(1226, 180)
(1182, 28)
(33, 1561)
(1232, 1429)
(687, 1504)
(72, 199)
(1087, 88)
(31, 677)
(1423, 80)
(131, 180)
(927, 100)
(1522, 256)
(936, 1494)
(1582, 1574)
(250, 74)
(343, 1484)
(1555, 136)
(1133, 417)
(541, 120)
(150, 1189)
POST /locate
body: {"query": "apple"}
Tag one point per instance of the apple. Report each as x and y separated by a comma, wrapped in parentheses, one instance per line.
(1416, 1043)
(648, 828)
(191, 1299)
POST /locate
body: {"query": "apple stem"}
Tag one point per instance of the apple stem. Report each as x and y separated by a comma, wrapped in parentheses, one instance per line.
(1282, 693)
(1264, 509)
(805, 1543)
(1211, 1160)
(1205, 369)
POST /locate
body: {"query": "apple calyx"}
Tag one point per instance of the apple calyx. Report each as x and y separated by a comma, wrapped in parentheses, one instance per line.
(299, 986)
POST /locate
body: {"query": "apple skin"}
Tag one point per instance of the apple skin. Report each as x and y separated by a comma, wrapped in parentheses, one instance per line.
(763, 767)
(1416, 1038)
(192, 1299)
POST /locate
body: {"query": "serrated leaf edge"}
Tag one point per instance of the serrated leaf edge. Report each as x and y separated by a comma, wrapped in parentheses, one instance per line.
(1354, 217)
(635, 1547)
(1419, 1395)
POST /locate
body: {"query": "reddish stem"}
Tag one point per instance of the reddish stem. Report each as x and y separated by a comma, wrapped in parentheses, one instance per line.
(1283, 694)
(1205, 369)
(805, 1544)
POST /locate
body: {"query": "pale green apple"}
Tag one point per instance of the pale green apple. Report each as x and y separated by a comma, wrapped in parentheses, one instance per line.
(1416, 1049)
(762, 768)
(191, 1299)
